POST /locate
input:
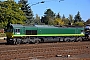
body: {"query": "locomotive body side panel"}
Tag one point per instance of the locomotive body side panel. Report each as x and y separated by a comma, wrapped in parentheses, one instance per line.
(44, 33)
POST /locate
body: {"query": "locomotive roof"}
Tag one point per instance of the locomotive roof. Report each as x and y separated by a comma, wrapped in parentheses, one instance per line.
(42, 26)
(16, 25)
(46, 26)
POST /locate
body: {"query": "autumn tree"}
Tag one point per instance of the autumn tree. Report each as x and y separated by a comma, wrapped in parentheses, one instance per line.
(59, 21)
(10, 12)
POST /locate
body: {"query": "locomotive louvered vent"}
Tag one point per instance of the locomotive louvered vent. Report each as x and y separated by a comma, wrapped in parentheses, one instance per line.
(31, 32)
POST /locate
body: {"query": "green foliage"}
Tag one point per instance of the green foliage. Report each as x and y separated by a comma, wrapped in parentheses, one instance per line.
(66, 20)
(87, 22)
(21, 13)
(58, 15)
(49, 13)
(51, 21)
(71, 18)
(59, 21)
(10, 12)
(77, 17)
(48, 17)
(63, 17)
(78, 20)
(28, 12)
(79, 24)
(37, 19)
(44, 19)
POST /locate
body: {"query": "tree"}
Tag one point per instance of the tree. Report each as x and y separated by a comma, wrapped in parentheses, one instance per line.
(87, 22)
(37, 19)
(44, 19)
(49, 13)
(58, 16)
(28, 12)
(63, 17)
(71, 20)
(66, 20)
(77, 17)
(59, 21)
(10, 0)
(48, 17)
(10, 12)
(78, 20)
(79, 24)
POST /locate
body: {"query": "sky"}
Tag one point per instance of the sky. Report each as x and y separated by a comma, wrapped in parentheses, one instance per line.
(65, 7)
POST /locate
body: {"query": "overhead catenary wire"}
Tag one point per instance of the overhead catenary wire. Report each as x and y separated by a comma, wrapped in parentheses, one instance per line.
(54, 0)
(47, 1)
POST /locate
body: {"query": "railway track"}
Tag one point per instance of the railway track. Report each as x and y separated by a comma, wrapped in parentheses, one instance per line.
(46, 51)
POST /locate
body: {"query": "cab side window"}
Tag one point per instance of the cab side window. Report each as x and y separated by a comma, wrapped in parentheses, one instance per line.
(17, 31)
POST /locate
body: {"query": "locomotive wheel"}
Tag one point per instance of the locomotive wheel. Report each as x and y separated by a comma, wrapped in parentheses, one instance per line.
(79, 39)
(14, 41)
(28, 42)
(37, 42)
(66, 39)
(17, 42)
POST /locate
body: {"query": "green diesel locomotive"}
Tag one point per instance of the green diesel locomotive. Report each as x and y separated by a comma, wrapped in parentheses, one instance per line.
(17, 34)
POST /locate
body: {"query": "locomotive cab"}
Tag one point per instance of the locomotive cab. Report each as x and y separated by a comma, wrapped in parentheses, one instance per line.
(87, 31)
(12, 31)
(9, 30)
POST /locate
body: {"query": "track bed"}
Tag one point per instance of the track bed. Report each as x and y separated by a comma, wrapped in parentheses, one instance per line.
(46, 51)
